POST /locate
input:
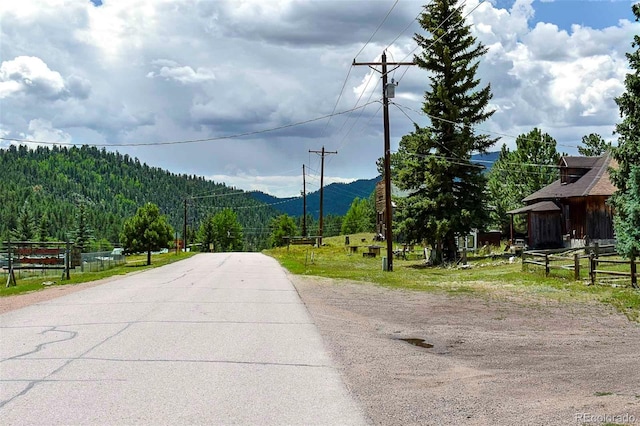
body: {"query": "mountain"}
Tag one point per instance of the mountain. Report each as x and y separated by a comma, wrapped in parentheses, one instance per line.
(52, 182)
(339, 196)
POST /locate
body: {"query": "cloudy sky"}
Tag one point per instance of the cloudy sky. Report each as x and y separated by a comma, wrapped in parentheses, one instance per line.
(244, 74)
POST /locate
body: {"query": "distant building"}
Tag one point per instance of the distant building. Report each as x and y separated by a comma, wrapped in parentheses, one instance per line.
(573, 209)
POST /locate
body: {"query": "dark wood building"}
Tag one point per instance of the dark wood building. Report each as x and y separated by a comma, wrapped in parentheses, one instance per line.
(573, 209)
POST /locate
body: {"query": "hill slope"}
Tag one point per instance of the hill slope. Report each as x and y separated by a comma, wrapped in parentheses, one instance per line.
(52, 182)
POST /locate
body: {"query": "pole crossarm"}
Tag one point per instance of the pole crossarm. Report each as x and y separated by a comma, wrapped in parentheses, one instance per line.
(387, 150)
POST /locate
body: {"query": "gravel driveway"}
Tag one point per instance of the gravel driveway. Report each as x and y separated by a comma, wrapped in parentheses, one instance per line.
(492, 362)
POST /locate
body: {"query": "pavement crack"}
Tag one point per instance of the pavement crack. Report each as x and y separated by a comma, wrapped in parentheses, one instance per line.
(39, 347)
(45, 379)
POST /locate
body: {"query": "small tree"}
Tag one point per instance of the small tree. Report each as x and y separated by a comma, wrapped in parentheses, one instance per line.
(358, 218)
(593, 145)
(82, 236)
(281, 226)
(43, 228)
(227, 231)
(147, 230)
(25, 228)
(627, 154)
(206, 235)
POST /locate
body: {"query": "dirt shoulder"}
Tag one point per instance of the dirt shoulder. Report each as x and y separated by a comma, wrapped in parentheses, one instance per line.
(10, 303)
(492, 362)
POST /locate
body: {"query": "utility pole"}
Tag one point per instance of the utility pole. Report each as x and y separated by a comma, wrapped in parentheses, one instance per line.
(388, 91)
(322, 153)
(184, 229)
(304, 204)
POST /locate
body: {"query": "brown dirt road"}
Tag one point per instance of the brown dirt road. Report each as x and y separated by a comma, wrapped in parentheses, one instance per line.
(493, 361)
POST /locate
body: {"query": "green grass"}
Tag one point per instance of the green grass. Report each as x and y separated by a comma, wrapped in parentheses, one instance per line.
(487, 277)
(133, 264)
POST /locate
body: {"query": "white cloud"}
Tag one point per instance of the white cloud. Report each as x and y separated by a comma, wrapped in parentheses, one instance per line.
(42, 130)
(29, 75)
(183, 74)
(156, 70)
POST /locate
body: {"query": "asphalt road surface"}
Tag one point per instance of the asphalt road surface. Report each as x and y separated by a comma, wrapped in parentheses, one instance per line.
(215, 339)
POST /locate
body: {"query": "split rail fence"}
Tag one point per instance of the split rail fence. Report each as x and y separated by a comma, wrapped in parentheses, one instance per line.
(596, 261)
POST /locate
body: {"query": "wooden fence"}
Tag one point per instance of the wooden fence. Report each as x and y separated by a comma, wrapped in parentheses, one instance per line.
(597, 259)
(35, 255)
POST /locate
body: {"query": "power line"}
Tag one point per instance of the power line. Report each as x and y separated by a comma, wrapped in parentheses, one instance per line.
(432, 117)
(380, 25)
(234, 136)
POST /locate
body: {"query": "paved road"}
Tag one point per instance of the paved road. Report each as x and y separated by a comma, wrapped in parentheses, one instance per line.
(215, 339)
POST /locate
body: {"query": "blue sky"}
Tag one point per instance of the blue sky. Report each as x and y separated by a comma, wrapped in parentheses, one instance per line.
(596, 14)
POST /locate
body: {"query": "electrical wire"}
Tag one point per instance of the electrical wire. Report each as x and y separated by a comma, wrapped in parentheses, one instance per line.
(188, 141)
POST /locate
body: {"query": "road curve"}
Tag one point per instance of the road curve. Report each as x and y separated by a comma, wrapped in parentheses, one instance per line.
(215, 339)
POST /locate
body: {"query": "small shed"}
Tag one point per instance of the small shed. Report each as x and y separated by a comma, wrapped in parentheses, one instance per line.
(543, 224)
(573, 208)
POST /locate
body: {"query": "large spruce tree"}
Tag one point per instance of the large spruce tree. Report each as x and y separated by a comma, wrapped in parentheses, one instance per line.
(447, 190)
(626, 176)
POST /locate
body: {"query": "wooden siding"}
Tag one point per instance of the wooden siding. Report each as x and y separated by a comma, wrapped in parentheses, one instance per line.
(599, 219)
(545, 230)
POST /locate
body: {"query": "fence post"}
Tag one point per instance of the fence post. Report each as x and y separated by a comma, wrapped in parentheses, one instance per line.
(546, 265)
(592, 268)
(67, 260)
(11, 279)
(576, 266)
(634, 271)
(524, 255)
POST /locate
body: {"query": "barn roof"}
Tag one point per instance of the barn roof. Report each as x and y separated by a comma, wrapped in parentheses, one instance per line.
(542, 206)
(595, 182)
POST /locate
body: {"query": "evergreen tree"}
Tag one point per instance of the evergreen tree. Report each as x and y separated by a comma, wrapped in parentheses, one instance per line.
(82, 235)
(627, 154)
(446, 190)
(593, 145)
(206, 235)
(148, 230)
(26, 226)
(519, 173)
(43, 228)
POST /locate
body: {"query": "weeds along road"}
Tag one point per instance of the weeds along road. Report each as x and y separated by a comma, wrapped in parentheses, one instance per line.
(217, 338)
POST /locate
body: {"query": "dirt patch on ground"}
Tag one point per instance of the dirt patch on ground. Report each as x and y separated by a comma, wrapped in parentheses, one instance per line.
(10, 303)
(492, 361)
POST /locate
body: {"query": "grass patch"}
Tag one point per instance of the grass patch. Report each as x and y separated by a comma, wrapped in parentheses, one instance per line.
(486, 276)
(133, 263)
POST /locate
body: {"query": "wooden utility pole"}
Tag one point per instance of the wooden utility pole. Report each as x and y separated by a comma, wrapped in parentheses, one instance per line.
(184, 229)
(304, 204)
(322, 154)
(387, 150)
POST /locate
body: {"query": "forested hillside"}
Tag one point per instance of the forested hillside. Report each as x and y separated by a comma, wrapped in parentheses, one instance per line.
(337, 198)
(50, 183)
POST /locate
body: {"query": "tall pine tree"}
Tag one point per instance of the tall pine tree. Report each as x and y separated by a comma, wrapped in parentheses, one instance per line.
(626, 176)
(447, 191)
